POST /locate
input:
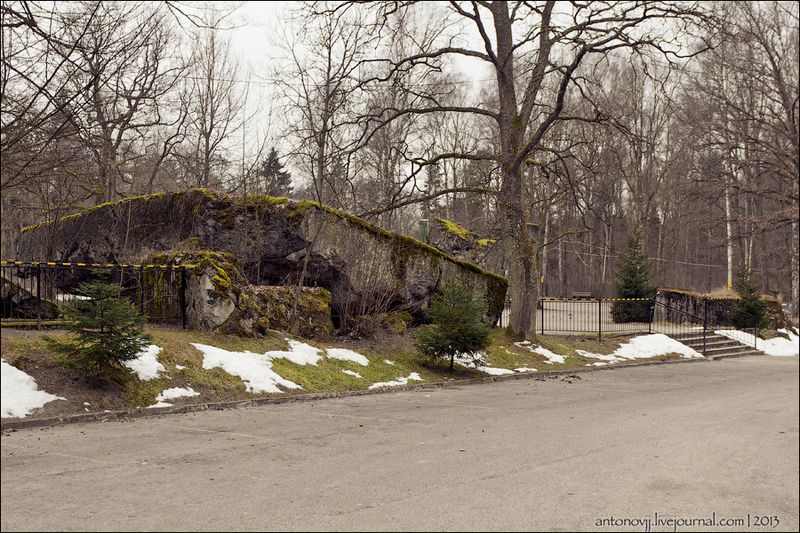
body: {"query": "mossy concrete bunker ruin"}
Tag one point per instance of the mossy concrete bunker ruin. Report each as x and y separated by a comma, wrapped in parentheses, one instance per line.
(271, 241)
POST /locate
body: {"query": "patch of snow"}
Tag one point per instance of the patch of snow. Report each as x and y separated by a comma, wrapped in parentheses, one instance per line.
(255, 370)
(646, 346)
(171, 394)
(389, 362)
(299, 353)
(176, 392)
(159, 404)
(607, 358)
(351, 373)
(347, 355)
(19, 394)
(550, 356)
(146, 365)
(643, 347)
(400, 381)
(525, 369)
(179, 367)
(86, 403)
(494, 371)
(779, 346)
(471, 359)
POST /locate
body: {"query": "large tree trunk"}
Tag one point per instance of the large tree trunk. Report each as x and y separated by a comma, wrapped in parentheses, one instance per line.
(795, 260)
(520, 257)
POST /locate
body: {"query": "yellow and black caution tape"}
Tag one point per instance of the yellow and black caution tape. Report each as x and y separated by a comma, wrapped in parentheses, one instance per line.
(551, 299)
(7, 263)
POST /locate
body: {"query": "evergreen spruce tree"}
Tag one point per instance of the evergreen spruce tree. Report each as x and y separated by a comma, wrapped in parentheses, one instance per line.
(457, 328)
(633, 281)
(107, 331)
(751, 310)
(277, 181)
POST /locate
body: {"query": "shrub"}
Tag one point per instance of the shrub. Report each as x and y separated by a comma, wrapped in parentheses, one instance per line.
(107, 331)
(456, 325)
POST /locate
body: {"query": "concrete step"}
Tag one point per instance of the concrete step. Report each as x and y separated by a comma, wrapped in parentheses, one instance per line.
(696, 336)
(747, 353)
(716, 346)
(727, 349)
(710, 341)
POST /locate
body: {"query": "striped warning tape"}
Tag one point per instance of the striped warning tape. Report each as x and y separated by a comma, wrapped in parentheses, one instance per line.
(6, 263)
(549, 299)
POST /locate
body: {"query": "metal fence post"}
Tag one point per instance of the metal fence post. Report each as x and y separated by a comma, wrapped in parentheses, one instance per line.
(705, 327)
(183, 297)
(38, 296)
(541, 310)
(599, 319)
(141, 289)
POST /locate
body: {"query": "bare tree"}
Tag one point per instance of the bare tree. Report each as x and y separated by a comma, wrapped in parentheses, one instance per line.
(215, 107)
(547, 42)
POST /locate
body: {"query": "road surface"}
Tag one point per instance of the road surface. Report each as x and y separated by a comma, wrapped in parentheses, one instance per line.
(684, 441)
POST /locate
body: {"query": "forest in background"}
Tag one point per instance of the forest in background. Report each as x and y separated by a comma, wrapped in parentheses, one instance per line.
(550, 131)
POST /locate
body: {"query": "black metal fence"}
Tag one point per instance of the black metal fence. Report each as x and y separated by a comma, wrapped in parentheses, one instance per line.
(598, 316)
(35, 293)
(595, 315)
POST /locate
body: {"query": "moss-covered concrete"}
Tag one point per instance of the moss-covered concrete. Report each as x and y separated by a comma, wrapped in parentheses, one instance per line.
(274, 240)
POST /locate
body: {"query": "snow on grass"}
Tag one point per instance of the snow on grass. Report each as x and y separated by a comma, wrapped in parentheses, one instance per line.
(643, 347)
(177, 392)
(779, 346)
(347, 355)
(477, 360)
(171, 394)
(470, 360)
(525, 369)
(179, 367)
(146, 365)
(254, 369)
(646, 346)
(400, 381)
(389, 362)
(299, 353)
(494, 371)
(550, 356)
(19, 394)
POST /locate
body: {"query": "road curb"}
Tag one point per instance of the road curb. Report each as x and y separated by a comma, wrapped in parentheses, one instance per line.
(124, 414)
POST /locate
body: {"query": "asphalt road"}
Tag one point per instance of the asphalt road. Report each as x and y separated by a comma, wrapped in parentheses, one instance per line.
(684, 441)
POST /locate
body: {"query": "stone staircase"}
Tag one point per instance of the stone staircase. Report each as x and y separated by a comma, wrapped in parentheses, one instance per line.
(717, 346)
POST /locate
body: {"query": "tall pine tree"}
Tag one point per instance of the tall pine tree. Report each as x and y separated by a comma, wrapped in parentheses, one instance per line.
(633, 281)
(277, 181)
(751, 310)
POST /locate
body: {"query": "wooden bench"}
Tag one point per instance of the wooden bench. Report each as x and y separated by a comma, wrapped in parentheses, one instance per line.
(581, 295)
